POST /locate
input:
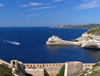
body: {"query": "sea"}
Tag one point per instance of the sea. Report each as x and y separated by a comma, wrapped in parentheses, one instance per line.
(28, 45)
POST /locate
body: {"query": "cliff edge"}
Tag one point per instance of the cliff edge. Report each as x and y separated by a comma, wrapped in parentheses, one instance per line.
(89, 39)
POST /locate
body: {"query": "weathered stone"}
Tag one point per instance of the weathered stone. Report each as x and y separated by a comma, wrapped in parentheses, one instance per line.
(73, 67)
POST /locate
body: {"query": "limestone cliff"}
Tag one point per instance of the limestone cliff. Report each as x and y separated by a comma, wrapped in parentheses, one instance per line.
(89, 39)
(54, 40)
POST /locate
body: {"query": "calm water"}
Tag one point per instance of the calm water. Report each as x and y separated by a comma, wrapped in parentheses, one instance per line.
(33, 47)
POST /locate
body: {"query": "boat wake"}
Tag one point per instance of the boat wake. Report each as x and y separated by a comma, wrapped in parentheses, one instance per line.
(12, 42)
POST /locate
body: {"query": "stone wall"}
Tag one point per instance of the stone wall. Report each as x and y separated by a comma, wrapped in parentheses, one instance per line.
(49, 69)
(72, 67)
(52, 69)
(4, 62)
(26, 65)
(87, 65)
(35, 72)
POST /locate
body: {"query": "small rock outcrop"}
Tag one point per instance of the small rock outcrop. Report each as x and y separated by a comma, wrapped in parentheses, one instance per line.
(54, 40)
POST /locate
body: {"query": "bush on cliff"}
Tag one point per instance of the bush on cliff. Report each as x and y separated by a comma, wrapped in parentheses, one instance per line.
(96, 65)
(95, 31)
(5, 70)
(94, 73)
(61, 72)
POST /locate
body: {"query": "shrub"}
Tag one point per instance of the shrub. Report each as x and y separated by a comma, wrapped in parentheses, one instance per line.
(84, 72)
(76, 74)
(13, 67)
(94, 73)
(96, 65)
(82, 75)
(6, 74)
(61, 72)
(15, 71)
(5, 71)
(94, 31)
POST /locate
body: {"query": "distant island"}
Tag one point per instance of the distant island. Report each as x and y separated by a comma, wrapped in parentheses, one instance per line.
(88, 26)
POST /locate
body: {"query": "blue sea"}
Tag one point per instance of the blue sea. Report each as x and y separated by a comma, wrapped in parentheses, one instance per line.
(33, 49)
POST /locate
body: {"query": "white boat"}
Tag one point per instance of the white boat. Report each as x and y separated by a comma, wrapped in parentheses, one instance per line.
(14, 42)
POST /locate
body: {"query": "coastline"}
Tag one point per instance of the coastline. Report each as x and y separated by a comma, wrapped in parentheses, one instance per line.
(86, 40)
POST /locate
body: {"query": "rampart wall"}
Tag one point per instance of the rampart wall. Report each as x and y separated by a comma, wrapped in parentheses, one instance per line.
(35, 72)
(48, 69)
(52, 69)
(87, 65)
(26, 65)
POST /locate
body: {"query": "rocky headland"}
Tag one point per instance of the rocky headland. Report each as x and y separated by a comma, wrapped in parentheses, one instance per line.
(87, 26)
(89, 39)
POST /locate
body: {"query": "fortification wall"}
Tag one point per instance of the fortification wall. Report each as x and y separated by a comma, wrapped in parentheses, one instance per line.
(88, 65)
(50, 69)
(4, 62)
(35, 72)
(73, 67)
(26, 65)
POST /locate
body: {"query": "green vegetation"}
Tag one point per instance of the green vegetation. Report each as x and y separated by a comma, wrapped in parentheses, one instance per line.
(96, 65)
(76, 74)
(94, 31)
(94, 73)
(13, 67)
(87, 26)
(61, 72)
(82, 74)
(5, 70)
(6, 74)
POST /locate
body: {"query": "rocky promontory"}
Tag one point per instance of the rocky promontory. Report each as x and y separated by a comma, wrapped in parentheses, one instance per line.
(89, 39)
(87, 26)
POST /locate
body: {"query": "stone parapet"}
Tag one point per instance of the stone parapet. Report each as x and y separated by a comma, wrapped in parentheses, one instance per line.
(27, 65)
(87, 65)
(4, 62)
(49, 69)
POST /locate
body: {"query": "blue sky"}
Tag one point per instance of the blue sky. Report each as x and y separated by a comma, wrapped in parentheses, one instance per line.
(37, 13)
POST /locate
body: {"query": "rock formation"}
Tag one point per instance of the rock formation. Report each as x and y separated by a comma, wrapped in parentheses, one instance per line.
(54, 40)
(87, 40)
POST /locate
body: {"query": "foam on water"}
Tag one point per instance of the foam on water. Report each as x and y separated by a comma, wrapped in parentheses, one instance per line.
(12, 42)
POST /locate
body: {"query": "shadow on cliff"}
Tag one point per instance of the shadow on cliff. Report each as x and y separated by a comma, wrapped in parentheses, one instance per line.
(28, 74)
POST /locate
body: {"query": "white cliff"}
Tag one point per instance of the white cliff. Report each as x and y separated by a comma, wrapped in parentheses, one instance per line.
(89, 41)
(54, 40)
(85, 41)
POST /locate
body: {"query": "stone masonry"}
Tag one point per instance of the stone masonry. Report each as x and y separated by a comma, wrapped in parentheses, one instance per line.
(48, 69)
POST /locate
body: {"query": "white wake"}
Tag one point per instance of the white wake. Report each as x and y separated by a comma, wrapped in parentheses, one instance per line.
(12, 42)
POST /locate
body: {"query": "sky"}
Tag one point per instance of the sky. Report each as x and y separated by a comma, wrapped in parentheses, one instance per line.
(45, 13)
